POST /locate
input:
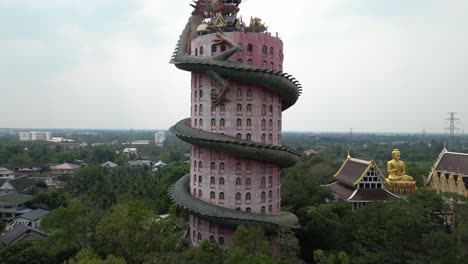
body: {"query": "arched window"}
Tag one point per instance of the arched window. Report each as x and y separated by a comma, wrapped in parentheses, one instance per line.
(213, 122)
(194, 178)
(200, 84)
(262, 210)
(249, 122)
(221, 241)
(238, 181)
(221, 167)
(201, 50)
(249, 48)
(212, 240)
(272, 51)
(270, 138)
(196, 109)
(263, 138)
(249, 93)
(213, 109)
(264, 51)
(194, 192)
(264, 64)
(270, 195)
(194, 236)
(196, 95)
(246, 209)
(263, 124)
(248, 196)
(270, 208)
(213, 48)
(223, 47)
(238, 166)
(201, 109)
(270, 124)
(238, 196)
(196, 51)
(271, 109)
(247, 182)
(239, 93)
(239, 136)
(195, 164)
(212, 180)
(221, 196)
(248, 167)
(200, 122)
(263, 109)
(221, 181)
(239, 108)
(249, 61)
(199, 193)
(270, 181)
(195, 85)
(248, 137)
(271, 65)
(200, 165)
(240, 61)
(239, 123)
(199, 237)
(212, 195)
(222, 108)
(200, 179)
(263, 182)
(212, 167)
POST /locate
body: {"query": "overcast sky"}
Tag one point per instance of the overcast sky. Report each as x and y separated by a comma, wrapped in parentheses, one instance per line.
(372, 65)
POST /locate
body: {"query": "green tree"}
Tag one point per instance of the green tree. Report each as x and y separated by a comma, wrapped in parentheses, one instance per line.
(247, 242)
(87, 256)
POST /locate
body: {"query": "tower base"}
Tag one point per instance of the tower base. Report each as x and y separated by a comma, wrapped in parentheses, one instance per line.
(401, 187)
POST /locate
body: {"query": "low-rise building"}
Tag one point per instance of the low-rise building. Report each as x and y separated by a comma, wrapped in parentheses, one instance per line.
(35, 136)
(20, 184)
(21, 233)
(64, 169)
(32, 218)
(450, 173)
(48, 177)
(359, 182)
(28, 168)
(109, 165)
(6, 173)
(159, 138)
(13, 205)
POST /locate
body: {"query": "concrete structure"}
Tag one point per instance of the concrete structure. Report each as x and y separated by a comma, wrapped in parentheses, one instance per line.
(235, 127)
(35, 136)
(159, 138)
(359, 182)
(32, 218)
(6, 173)
(65, 168)
(13, 205)
(450, 173)
(28, 168)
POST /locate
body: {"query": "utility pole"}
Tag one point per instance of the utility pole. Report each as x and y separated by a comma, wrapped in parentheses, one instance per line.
(351, 135)
(452, 128)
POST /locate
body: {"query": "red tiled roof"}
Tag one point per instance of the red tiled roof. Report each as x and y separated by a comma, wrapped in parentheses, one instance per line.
(351, 171)
(372, 195)
(65, 166)
(341, 190)
(454, 162)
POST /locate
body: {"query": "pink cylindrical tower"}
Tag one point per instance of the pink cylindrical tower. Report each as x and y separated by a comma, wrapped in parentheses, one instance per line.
(238, 93)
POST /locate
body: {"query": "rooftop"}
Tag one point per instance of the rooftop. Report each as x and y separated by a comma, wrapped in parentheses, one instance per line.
(65, 166)
(15, 198)
(21, 233)
(34, 214)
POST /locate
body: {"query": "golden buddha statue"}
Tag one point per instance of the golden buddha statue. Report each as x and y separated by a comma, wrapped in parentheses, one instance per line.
(396, 169)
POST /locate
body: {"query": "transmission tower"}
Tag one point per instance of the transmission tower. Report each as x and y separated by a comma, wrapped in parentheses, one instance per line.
(452, 120)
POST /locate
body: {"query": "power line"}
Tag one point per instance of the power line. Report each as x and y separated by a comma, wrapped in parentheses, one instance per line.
(452, 128)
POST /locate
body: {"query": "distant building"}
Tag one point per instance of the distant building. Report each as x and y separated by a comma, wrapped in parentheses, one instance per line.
(35, 136)
(20, 184)
(129, 151)
(21, 233)
(109, 165)
(359, 182)
(450, 173)
(28, 168)
(65, 168)
(13, 205)
(32, 218)
(49, 178)
(159, 138)
(140, 142)
(6, 173)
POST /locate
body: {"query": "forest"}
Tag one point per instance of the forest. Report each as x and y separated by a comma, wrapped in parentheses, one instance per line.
(126, 216)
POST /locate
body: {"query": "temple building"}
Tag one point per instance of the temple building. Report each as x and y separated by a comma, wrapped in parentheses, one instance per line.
(359, 182)
(238, 93)
(450, 173)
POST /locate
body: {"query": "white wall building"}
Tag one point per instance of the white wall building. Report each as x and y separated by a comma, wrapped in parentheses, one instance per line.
(159, 138)
(35, 136)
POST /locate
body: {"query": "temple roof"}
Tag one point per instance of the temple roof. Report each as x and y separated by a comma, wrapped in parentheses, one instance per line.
(341, 190)
(451, 162)
(352, 170)
(371, 195)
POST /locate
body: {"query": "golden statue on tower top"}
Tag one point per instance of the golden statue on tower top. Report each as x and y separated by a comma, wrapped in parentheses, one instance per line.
(398, 181)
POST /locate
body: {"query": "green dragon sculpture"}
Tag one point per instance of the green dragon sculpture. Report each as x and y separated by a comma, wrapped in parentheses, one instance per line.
(220, 69)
